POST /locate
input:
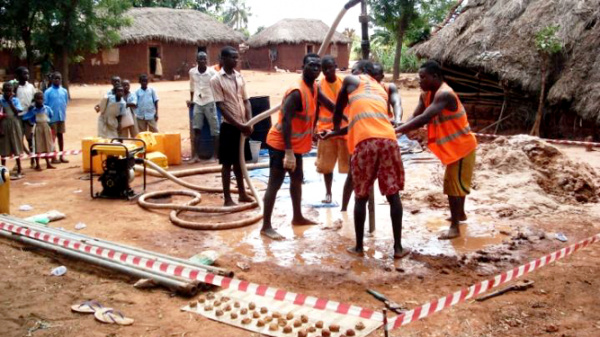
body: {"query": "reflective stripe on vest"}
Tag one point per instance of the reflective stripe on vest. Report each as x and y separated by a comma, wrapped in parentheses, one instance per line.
(364, 115)
(368, 113)
(449, 133)
(302, 121)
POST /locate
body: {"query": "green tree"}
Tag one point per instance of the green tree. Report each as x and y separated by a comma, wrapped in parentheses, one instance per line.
(18, 22)
(201, 5)
(547, 44)
(73, 27)
(407, 18)
(260, 29)
(236, 14)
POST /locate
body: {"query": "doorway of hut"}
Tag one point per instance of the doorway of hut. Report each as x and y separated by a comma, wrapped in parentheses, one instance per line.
(153, 53)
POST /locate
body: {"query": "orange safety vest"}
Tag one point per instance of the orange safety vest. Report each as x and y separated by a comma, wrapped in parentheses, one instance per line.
(368, 113)
(331, 91)
(449, 135)
(302, 122)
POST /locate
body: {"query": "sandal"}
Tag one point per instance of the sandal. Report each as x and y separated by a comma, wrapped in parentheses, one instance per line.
(112, 316)
(87, 307)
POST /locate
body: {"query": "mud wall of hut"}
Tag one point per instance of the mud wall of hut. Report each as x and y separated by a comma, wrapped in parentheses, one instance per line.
(134, 59)
(289, 56)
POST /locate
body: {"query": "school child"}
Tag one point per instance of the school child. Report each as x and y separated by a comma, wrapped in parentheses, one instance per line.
(11, 136)
(147, 106)
(57, 98)
(112, 108)
(40, 114)
(129, 126)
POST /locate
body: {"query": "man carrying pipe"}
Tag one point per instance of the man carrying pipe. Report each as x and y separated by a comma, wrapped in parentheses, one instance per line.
(288, 140)
(375, 151)
(449, 138)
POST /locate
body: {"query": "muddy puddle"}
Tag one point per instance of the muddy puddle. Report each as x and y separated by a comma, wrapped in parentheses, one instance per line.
(325, 244)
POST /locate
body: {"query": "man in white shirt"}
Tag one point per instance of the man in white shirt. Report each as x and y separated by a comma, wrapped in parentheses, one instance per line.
(25, 92)
(201, 97)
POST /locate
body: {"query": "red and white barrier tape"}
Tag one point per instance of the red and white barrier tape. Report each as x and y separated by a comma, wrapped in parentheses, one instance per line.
(481, 287)
(197, 274)
(552, 141)
(44, 155)
(300, 299)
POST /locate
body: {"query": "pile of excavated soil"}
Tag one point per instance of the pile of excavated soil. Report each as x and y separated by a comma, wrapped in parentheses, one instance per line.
(561, 178)
(519, 176)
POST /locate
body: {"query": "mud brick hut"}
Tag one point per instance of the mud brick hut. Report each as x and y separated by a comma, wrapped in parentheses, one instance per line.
(284, 44)
(490, 59)
(177, 35)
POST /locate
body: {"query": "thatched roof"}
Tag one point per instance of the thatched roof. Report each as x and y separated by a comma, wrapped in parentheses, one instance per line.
(293, 31)
(176, 25)
(497, 37)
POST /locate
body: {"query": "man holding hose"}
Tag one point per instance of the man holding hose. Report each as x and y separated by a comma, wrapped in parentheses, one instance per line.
(288, 140)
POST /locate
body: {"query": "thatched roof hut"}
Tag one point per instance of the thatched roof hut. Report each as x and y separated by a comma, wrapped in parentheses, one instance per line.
(495, 38)
(295, 31)
(285, 43)
(184, 26)
(171, 36)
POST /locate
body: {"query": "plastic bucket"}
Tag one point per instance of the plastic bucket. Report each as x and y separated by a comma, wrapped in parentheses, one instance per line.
(255, 150)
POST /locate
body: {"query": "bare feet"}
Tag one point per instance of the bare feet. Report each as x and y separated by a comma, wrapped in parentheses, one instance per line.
(245, 198)
(303, 222)
(50, 167)
(63, 160)
(355, 251)
(55, 161)
(37, 168)
(327, 199)
(398, 254)
(271, 234)
(452, 233)
(229, 202)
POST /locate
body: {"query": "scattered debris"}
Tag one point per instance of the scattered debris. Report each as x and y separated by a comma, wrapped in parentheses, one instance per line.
(244, 266)
(207, 258)
(25, 208)
(145, 284)
(80, 226)
(59, 271)
(27, 183)
(561, 237)
(519, 286)
(551, 328)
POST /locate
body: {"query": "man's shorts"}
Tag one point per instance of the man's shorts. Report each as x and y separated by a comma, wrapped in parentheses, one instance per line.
(377, 158)
(229, 145)
(210, 112)
(458, 176)
(58, 127)
(331, 151)
(276, 161)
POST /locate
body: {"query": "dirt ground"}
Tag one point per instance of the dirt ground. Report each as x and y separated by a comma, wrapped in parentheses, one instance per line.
(507, 226)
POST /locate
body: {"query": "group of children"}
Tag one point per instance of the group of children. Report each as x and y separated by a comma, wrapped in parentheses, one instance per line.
(125, 114)
(31, 116)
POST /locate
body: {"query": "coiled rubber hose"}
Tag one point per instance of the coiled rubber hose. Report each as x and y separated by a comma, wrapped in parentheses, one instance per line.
(190, 206)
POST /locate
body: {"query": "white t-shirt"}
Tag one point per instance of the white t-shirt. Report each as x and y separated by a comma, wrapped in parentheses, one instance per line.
(25, 95)
(200, 85)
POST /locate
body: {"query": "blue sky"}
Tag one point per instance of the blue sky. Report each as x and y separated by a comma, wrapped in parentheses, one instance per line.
(268, 12)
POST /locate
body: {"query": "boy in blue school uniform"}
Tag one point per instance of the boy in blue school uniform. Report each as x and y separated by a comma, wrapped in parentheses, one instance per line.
(146, 112)
(57, 98)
